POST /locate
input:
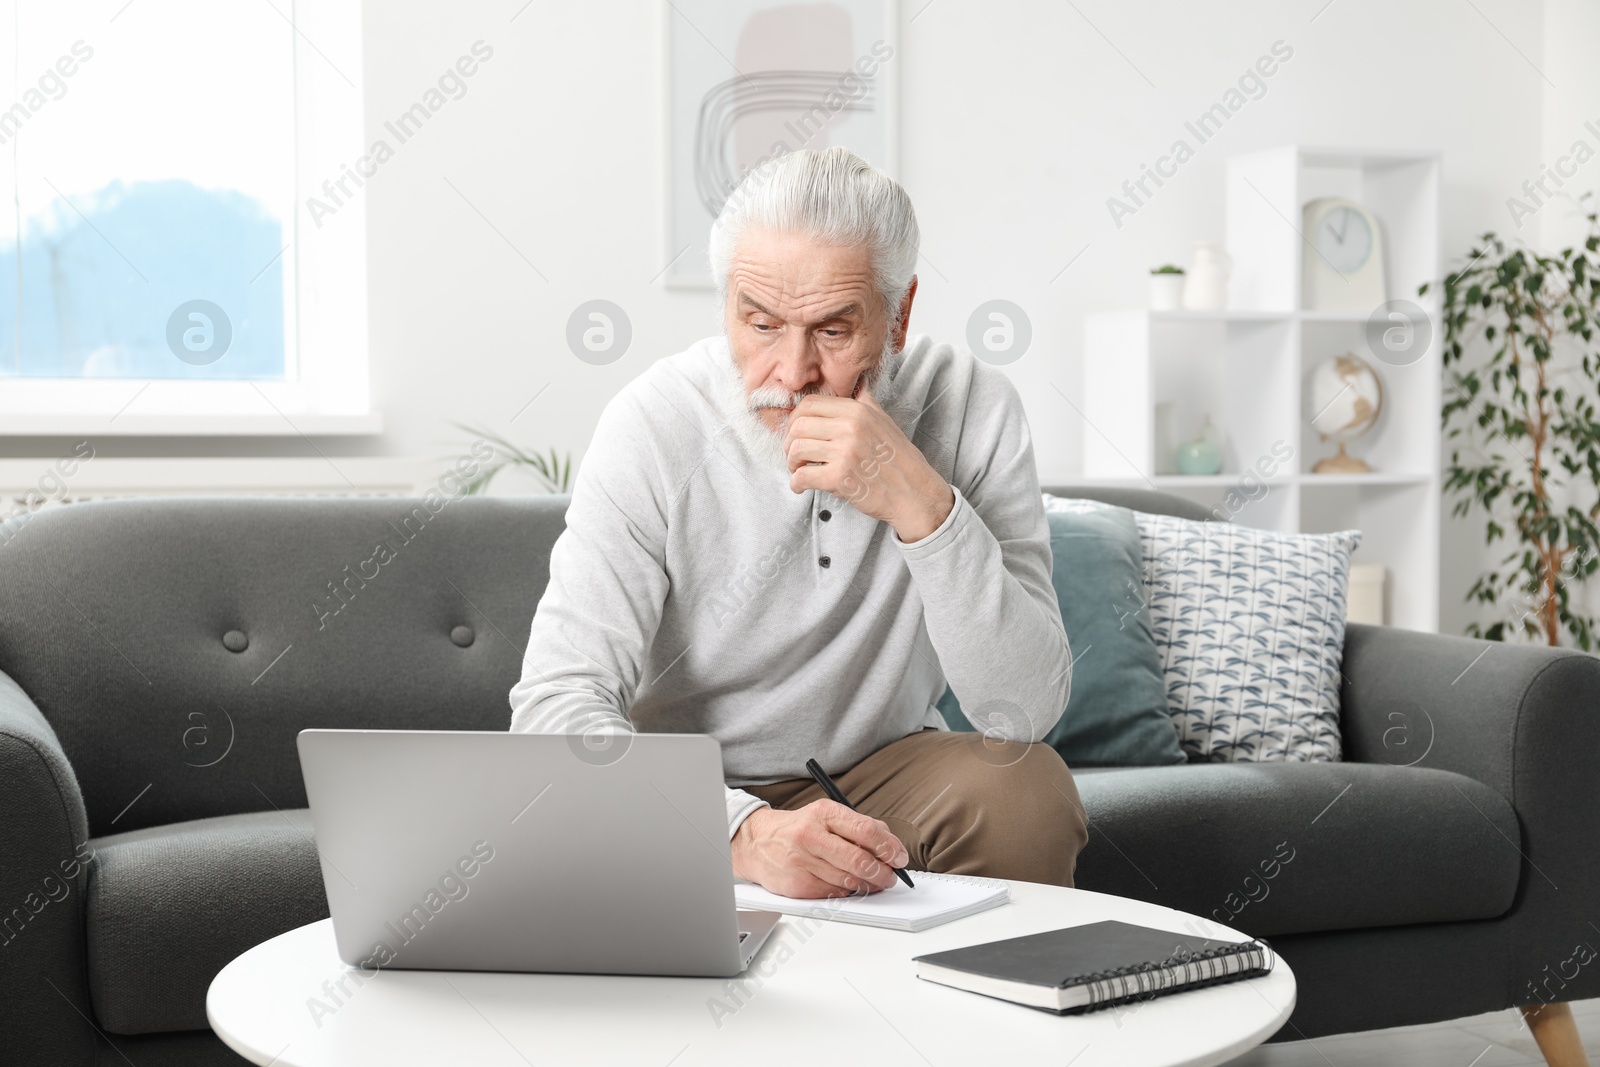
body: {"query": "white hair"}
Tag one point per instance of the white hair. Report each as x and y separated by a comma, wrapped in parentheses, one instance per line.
(831, 194)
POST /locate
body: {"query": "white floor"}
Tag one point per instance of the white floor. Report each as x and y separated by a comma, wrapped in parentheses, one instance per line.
(1495, 1040)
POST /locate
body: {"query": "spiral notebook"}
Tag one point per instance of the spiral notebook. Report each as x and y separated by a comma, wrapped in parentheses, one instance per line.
(936, 900)
(1082, 968)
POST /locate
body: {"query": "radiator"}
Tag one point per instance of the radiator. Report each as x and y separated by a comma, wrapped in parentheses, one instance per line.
(29, 484)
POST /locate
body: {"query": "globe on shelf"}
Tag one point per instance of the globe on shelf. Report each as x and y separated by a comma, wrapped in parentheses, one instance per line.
(1344, 397)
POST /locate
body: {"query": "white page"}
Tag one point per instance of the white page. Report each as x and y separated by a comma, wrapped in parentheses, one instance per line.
(934, 896)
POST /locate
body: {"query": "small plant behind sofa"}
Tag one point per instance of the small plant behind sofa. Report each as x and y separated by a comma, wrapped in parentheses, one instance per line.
(554, 473)
(1524, 430)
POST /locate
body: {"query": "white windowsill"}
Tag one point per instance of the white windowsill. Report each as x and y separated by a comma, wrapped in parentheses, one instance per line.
(109, 407)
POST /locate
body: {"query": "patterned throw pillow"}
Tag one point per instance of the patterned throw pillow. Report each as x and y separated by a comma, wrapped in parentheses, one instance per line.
(1250, 625)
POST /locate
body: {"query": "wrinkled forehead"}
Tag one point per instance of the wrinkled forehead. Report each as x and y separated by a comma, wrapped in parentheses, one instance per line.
(799, 277)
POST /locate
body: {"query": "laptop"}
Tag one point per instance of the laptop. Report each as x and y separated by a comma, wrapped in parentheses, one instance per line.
(495, 851)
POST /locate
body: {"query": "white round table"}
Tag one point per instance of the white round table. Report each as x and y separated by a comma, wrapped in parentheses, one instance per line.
(819, 992)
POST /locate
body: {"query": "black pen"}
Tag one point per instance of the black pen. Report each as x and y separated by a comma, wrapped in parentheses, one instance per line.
(834, 795)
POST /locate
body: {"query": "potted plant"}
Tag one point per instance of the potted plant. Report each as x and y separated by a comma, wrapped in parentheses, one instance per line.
(1166, 288)
(1523, 429)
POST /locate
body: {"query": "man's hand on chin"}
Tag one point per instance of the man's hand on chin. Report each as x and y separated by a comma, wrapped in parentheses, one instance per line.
(822, 850)
(854, 450)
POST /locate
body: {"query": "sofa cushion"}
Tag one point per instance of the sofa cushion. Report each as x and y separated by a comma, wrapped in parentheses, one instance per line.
(169, 906)
(1250, 624)
(1116, 715)
(1273, 848)
(330, 639)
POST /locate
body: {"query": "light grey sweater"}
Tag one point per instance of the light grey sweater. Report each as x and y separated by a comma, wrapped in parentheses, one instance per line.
(687, 592)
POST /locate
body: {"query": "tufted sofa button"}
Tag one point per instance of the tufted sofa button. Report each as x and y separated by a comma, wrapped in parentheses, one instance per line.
(235, 641)
(462, 636)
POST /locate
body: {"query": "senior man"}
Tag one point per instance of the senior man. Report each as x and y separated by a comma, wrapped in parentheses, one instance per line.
(790, 537)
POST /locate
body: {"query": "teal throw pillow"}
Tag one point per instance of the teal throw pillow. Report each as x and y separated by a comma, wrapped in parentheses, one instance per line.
(1117, 714)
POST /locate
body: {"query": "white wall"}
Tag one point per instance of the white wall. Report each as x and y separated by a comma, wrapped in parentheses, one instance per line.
(1018, 121)
(1571, 114)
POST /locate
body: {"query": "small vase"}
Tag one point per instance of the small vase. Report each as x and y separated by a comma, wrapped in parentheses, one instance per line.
(1205, 287)
(1203, 455)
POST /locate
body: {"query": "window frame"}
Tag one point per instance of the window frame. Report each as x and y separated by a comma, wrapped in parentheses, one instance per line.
(326, 387)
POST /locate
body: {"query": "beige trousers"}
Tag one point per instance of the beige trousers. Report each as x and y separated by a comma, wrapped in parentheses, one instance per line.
(964, 804)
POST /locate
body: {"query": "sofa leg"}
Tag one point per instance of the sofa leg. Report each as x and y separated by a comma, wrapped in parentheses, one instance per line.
(1556, 1032)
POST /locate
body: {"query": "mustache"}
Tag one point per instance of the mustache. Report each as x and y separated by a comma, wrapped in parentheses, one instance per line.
(772, 396)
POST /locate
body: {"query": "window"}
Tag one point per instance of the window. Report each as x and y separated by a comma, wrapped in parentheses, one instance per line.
(158, 268)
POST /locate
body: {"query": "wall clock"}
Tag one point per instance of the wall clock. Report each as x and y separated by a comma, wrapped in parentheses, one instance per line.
(1342, 257)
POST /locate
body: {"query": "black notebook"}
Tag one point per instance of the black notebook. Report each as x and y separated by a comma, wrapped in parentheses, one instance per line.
(1082, 968)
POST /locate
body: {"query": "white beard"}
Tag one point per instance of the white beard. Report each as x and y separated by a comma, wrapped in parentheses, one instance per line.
(766, 444)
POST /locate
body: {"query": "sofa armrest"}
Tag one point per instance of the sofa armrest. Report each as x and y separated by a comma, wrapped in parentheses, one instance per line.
(1525, 721)
(44, 858)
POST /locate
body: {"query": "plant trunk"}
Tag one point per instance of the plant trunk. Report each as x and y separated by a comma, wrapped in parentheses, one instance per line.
(1550, 611)
(1549, 551)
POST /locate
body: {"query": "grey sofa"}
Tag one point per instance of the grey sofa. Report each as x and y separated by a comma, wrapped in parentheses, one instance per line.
(159, 657)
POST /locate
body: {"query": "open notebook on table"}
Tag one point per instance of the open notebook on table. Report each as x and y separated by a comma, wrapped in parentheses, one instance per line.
(937, 899)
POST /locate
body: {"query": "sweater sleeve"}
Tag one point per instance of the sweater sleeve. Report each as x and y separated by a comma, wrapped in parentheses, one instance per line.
(594, 626)
(984, 576)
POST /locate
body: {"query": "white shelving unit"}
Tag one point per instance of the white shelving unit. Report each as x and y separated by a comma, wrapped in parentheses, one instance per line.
(1245, 368)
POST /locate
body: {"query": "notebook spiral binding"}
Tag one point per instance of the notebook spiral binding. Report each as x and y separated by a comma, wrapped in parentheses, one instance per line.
(1146, 982)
